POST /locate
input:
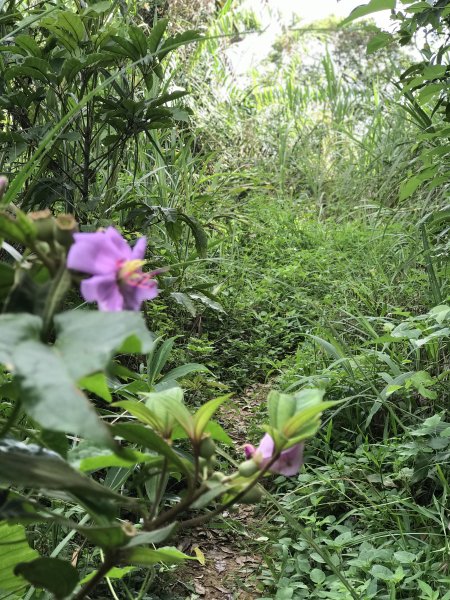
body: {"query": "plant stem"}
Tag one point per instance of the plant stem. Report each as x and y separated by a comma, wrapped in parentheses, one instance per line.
(172, 512)
(102, 571)
(196, 521)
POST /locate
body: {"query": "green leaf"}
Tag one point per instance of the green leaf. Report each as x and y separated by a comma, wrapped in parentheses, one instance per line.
(172, 400)
(97, 384)
(317, 576)
(156, 35)
(155, 402)
(87, 340)
(204, 414)
(305, 419)
(139, 39)
(143, 414)
(53, 574)
(138, 434)
(152, 537)
(16, 328)
(50, 396)
(14, 548)
(380, 40)
(98, 9)
(113, 536)
(67, 27)
(148, 557)
(28, 43)
(88, 458)
(213, 429)
(280, 407)
(218, 489)
(408, 187)
(405, 557)
(115, 572)
(157, 358)
(33, 466)
(368, 9)
(185, 302)
(175, 41)
(382, 572)
(200, 237)
(183, 370)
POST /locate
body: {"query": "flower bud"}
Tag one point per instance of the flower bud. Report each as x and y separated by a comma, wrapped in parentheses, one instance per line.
(44, 223)
(253, 496)
(207, 448)
(248, 468)
(218, 476)
(66, 226)
(3, 185)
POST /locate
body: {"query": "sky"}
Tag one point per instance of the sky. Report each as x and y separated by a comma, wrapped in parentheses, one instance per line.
(311, 10)
(254, 48)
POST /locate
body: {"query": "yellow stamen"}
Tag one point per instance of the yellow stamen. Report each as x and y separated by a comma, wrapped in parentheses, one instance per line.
(129, 267)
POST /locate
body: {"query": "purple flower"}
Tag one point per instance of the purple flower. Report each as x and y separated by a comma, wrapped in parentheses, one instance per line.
(117, 282)
(288, 463)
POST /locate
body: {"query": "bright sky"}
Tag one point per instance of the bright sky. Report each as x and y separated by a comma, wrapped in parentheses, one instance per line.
(253, 49)
(311, 10)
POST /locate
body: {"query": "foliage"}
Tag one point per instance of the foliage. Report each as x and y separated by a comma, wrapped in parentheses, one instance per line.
(44, 381)
(298, 224)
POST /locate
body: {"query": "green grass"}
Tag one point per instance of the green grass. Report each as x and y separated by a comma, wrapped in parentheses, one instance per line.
(284, 275)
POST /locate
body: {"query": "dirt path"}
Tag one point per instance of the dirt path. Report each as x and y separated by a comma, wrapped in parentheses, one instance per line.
(231, 567)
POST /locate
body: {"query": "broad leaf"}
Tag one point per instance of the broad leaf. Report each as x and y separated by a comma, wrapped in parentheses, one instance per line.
(380, 40)
(138, 434)
(14, 329)
(97, 384)
(88, 458)
(114, 573)
(14, 548)
(156, 34)
(368, 9)
(156, 404)
(53, 574)
(49, 395)
(35, 467)
(87, 340)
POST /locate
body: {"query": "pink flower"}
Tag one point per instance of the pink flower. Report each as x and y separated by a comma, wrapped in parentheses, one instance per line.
(117, 282)
(288, 463)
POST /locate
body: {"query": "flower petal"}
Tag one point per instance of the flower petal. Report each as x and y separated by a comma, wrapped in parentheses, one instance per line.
(266, 447)
(138, 251)
(98, 253)
(134, 296)
(289, 462)
(104, 290)
(249, 450)
(117, 241)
